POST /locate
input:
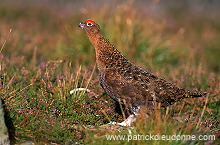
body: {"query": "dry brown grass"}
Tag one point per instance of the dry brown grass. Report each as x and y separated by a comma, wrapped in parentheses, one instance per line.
(46, 56)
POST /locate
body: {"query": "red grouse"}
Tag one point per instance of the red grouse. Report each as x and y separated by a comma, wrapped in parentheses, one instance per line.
(128, 84)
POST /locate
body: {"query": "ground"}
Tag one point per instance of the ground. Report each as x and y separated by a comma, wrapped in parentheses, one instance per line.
(44, 55)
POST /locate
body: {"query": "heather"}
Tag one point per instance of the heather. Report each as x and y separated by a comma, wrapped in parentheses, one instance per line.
(44, 55)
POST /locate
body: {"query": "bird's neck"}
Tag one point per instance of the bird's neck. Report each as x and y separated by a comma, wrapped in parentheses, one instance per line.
(106, 54)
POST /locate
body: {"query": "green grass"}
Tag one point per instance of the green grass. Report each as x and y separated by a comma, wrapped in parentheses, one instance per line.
(46, 55)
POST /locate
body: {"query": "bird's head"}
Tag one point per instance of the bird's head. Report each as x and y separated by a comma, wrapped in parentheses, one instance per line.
(90, 26)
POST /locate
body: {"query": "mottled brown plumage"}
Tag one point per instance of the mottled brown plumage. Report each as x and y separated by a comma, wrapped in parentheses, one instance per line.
(127, 83)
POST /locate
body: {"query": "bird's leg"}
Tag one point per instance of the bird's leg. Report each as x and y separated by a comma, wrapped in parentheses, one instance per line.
(131, 118)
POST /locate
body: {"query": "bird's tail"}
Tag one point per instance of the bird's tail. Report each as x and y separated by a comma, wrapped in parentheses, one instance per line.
(193, 93)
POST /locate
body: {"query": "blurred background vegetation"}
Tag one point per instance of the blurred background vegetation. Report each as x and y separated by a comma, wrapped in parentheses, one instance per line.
(44, 55)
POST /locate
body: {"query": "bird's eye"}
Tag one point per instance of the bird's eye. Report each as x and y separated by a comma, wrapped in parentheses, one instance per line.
(89, 24)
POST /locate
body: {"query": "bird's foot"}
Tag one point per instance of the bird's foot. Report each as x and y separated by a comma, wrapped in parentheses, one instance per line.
(127, 122)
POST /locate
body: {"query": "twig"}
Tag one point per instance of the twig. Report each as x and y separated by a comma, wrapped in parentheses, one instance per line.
(83, 89)
(3, 45)
(203, 111)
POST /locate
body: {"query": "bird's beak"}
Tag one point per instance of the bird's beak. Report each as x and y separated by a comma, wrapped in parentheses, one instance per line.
(82, 25)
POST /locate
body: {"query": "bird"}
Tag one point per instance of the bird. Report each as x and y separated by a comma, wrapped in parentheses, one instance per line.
(128, 84)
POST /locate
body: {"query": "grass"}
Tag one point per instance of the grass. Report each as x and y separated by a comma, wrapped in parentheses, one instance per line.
(44, 55)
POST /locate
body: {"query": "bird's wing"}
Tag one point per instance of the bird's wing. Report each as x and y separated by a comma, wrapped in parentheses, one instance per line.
(124, 89)
(134, 87)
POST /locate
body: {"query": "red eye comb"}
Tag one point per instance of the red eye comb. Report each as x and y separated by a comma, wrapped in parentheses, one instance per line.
(90, 21)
